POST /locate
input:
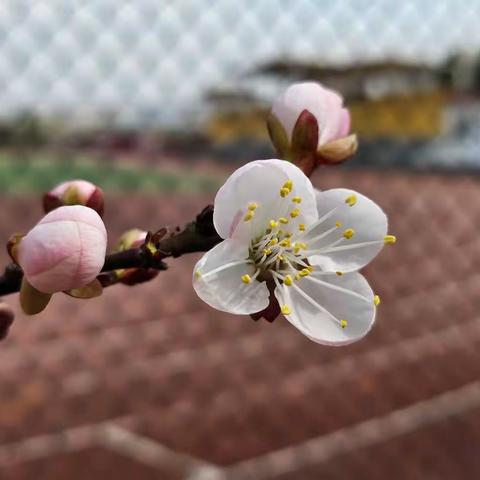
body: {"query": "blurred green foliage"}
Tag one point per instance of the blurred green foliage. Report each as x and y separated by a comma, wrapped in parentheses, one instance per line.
(17, 176)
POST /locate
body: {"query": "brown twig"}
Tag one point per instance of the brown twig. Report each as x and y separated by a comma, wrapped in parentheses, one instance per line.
(196, 236)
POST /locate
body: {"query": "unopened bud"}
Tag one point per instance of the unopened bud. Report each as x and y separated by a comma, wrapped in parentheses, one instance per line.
(131, 276)
(64, 251)
(308, 123)
(75, 192)
(130, 239)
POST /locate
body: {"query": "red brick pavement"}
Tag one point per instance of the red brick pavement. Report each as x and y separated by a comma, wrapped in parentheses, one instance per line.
(148, 382)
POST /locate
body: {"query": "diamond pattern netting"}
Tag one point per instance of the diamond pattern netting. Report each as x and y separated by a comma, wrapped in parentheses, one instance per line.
(151, 62)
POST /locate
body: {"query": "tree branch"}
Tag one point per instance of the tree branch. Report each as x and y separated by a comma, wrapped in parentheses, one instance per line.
(197, 236)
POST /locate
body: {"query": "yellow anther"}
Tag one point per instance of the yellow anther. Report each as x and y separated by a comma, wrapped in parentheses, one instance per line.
(246, 278)
(304, 272)
(299, 246)
(343, 323)
(284, 192)
(273, 242)
(389, 239)
(283, 220)
(253, 206)
(273, 223)
(349, 233)
(351, 200)
(281, 258)
(288, 280)
(286, 310)
(376, 300)
(301, 227)
(288, 184)
(296, 250)
(310, 268)
(295, 213)
(339, 273)
(198, 274)
(297, 277)
(297, 199)
(288, 234)
(338, 223)
(267, 251)
(248, 216)
(280, 232)
(285, 243)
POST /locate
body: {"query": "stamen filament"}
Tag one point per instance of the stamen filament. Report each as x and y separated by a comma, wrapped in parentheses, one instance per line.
(224, 267)
(338, 288)
(312, 302)
(322, 235)
(334, 248)
(322, 219)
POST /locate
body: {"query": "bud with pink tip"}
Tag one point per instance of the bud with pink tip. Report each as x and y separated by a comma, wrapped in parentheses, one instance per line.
(64, 251)
(75, 192)
(309, 125)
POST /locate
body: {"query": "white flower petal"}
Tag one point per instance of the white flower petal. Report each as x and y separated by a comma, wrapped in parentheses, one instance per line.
(259, 183)
(333, 252)
(318, 304)
(217, 280)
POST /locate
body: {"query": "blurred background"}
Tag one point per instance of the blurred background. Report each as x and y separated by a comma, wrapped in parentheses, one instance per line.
(157, 102)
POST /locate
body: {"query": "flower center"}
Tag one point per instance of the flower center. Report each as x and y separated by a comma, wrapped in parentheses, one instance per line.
(278, 250)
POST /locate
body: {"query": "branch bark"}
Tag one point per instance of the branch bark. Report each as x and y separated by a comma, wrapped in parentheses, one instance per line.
(197, 236)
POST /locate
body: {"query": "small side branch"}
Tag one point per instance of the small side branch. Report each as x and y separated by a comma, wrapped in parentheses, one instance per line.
(197, 236)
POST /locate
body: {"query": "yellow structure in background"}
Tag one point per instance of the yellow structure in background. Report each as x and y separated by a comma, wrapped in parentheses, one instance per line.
(414, 116)
(229, 126)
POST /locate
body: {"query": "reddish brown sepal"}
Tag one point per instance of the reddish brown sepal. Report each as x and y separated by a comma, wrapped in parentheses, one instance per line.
(96, 201)
(151, 241)
(305, 135)
(159, 234)
(50, 202)
(305, 142)
(272, 311)
(138, 275)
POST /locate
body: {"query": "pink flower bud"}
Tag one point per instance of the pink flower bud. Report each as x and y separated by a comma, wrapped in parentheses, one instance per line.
(325, 105)
(65, 250)
(309, 120)
(74, 192)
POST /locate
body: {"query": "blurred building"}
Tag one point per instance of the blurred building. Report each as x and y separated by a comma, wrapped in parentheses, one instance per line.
(387, 99)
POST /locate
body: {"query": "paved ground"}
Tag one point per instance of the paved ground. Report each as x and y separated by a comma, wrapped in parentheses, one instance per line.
(149, 383)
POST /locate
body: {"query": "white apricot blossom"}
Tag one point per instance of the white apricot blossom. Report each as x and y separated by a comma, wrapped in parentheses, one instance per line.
(306, 244)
